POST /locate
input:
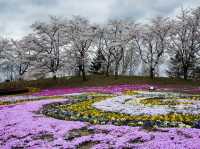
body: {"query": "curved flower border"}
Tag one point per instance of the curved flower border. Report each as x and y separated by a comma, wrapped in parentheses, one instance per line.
(81, 109)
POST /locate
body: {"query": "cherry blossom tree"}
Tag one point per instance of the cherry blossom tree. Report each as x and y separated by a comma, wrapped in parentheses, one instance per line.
(151, 42)
(81, 35)
(49, 41)
(185, 42)
(113, 40)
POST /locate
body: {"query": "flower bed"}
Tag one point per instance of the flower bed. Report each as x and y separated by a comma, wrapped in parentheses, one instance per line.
(24, 126)
(25, 98)
(51, 93)
(105, 109)
(114, 89)
(151, 103)
(62, 92)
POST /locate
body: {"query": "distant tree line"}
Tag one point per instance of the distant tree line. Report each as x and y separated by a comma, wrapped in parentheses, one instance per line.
(77, 47)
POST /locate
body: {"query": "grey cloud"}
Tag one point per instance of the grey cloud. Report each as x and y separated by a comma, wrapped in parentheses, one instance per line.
(43, 2)
(17, 15)
(145, 9)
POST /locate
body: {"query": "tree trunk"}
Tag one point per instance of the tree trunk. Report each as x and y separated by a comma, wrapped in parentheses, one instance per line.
(54, 76)
(116, 70)
(107, 69)
(151, 73)
(78, 72)
(131, 70)
(83, 73)
(185, 73)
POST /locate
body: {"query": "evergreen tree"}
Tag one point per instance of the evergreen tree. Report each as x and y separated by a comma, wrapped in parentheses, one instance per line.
(97, 65)
(177, 67)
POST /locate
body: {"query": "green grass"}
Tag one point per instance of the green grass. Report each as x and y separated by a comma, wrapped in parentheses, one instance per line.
(97, 80)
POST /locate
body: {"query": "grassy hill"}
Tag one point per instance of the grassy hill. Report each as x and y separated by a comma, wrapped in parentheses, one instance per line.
(97, 80)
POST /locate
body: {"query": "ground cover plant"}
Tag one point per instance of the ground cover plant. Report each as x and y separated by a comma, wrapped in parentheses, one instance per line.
(123, 110)
(78, 118)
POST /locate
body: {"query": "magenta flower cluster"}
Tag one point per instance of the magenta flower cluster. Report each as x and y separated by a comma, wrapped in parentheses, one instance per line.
(22, 126)
(105, 89)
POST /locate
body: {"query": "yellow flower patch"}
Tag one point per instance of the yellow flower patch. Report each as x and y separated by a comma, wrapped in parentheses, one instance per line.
(168, 102)
(84, 111)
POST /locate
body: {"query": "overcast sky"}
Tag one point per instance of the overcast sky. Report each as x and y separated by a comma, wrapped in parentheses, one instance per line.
(16, 16)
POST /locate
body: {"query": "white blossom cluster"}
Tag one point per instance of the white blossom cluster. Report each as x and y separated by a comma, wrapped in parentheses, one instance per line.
(132, 104)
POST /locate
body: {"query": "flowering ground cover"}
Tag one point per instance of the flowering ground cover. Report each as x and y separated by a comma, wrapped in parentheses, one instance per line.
(127, 110)
(83, 125)
(61, 92)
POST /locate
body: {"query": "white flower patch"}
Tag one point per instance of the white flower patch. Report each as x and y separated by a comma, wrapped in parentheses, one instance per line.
(132, 104)
(31, 97)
